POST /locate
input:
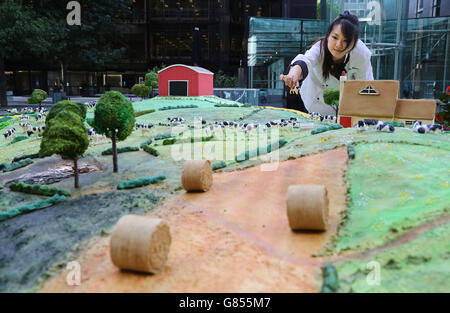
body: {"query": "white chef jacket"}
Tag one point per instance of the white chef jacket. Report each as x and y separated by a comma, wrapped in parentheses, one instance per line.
(358, 67)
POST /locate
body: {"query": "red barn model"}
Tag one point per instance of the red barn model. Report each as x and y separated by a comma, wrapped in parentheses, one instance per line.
(185, 80)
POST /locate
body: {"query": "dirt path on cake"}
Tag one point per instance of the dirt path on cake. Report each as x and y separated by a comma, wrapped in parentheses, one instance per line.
(233, 238)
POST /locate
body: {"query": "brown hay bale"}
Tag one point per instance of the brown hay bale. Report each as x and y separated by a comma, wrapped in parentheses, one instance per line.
(197, 175)
(140, 244)
(307, 207)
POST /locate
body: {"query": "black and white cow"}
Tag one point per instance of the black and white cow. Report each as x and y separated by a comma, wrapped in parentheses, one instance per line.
(39, 117)
(175, 120)
(145, 128)
(429, 128)
(366, 124)
(385, 127)
(330, 118)
(25, 126)
(35, 130)
(92, 134)
(10, 133)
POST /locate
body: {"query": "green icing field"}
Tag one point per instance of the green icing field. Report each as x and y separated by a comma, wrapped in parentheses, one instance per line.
(421, 265)
(392, 189)
(396, 183)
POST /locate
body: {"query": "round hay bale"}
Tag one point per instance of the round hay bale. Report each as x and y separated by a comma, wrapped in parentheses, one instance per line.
(307, 207)
(197, 175)
(140, 244)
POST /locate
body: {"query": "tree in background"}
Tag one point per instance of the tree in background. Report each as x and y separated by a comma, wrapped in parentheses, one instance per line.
(331, 97)
(141, 90)
(221, 80)
(37, 96)
(114, 117)
(66, 135)
(23, 33)
(96, 43)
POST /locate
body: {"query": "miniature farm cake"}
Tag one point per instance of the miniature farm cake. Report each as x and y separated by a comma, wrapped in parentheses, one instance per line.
(385, 194)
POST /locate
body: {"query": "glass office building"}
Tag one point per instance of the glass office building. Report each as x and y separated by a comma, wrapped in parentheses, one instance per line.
(409, 40)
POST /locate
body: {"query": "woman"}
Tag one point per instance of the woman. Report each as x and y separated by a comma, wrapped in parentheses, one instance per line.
(322, 65)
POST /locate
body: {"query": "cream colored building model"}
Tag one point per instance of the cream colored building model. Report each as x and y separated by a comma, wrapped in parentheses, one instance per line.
(379, 99)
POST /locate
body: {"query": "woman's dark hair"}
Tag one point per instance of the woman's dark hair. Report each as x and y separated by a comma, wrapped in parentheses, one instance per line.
(350, 29)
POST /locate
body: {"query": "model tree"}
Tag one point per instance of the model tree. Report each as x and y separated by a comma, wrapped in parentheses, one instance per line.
(66, 105)
(114, 117)
(66, 135)
(331, 97)
(141, 90)
(151, 80)
(37, 96)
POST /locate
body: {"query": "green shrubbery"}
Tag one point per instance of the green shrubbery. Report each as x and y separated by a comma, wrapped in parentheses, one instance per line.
(326, 128)
(163, 136)
(330, 282)
(246, 155)
(191, 106)
(19, 138)
(40, 204)
(109, 151)
(147, 142)
(150, 150)
(193, 139)
(169, 141)
(140, 113)
(227, 105)
(351, 151)
(16, 165)
(141, 90)
(143, 181)
(26, 156)
(218, 165)
(37, 189)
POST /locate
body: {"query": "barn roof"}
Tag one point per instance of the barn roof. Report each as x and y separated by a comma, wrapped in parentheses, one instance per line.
(417, 109)
(194, 68)
(359, 100)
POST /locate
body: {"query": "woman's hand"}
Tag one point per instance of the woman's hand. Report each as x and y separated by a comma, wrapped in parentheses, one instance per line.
(292, 78)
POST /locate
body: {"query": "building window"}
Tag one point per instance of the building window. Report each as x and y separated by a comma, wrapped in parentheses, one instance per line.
(369, 91)
(436, 7)
(419, 8)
